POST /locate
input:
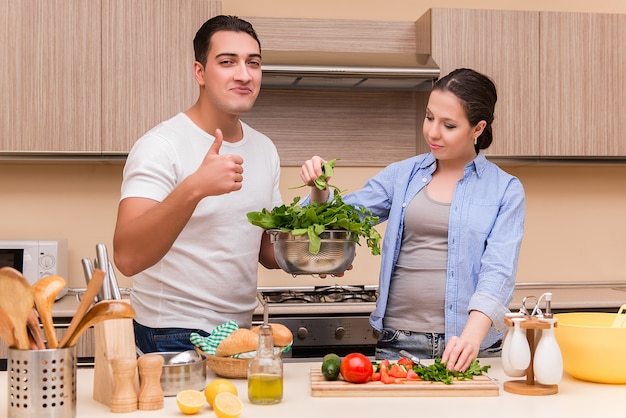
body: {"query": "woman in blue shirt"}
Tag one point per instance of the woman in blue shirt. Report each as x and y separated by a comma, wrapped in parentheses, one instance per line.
(455, 226)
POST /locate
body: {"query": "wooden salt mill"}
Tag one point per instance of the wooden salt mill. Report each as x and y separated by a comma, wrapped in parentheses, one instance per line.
(124, 398)
(150, 390)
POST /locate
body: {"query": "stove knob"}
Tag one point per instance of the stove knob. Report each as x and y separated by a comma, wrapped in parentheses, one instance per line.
(302, 333)
(340, 332)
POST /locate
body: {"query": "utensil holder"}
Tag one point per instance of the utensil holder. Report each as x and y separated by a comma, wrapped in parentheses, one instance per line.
(41, 383)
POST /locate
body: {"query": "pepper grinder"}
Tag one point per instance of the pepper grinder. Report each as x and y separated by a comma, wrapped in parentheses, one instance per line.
(150, 392)
(124, 398)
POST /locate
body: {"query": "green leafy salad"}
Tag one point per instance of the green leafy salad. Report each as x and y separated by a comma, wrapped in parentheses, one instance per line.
(315, 218)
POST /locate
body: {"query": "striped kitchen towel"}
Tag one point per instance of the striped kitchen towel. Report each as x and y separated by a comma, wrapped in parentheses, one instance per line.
(209, 344)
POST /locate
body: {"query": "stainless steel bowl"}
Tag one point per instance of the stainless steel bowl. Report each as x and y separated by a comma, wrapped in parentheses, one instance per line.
(336, 254)
(177, 377)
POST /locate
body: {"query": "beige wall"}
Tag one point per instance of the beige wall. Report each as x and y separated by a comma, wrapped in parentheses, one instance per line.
(575, 217)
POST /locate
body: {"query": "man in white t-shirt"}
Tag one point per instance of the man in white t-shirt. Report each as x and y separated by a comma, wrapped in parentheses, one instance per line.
(182, 231)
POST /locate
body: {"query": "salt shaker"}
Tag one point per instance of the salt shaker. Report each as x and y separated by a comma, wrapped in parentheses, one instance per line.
(265, 371)
(124, 397)
(150, 396)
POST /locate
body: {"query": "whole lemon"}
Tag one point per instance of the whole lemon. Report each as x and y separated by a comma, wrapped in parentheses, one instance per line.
(218, 386)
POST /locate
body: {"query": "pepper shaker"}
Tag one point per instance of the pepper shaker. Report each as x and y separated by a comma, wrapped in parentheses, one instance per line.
(150, 391)
(124, 398)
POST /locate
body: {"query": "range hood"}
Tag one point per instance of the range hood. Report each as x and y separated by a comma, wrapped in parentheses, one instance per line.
(348, 71)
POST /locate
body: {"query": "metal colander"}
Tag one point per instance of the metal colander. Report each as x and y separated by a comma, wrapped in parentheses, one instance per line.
(292, 254)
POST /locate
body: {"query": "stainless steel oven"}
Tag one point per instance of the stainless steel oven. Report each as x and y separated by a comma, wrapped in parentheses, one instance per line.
(323, 319)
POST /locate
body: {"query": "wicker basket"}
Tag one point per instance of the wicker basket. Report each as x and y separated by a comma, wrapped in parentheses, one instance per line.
(234, 368)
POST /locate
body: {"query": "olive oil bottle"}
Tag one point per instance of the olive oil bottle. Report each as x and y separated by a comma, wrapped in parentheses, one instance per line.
(265, 371)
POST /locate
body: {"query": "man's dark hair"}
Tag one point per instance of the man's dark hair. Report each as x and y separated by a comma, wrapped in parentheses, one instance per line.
(202, 41)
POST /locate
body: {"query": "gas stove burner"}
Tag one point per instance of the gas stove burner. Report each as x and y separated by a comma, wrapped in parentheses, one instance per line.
(321, 294)
(346, 294)
(290, 296)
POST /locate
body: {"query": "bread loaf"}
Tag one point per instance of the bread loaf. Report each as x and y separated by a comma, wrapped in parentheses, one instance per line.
(281, 335)
(239, 341)
(243, 340)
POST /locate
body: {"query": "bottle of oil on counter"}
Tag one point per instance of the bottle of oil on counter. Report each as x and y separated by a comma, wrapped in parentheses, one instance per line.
(265, 371)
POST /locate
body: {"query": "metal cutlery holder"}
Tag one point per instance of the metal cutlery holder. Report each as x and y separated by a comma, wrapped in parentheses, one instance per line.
(41, 383)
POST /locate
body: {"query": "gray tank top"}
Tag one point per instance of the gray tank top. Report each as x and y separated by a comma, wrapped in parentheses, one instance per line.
(416, 296)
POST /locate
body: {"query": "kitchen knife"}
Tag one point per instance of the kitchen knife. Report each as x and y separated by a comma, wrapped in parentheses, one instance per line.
(103, 264)
(88, 270)
(411, 357)
(115, 288)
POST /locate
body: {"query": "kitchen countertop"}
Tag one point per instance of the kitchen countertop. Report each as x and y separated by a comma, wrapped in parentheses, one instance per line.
(574, 399)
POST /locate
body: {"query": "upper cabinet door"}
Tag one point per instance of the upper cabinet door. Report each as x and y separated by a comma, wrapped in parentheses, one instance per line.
(583, 79)
(147, 65)
(50, 78)
(505, 46)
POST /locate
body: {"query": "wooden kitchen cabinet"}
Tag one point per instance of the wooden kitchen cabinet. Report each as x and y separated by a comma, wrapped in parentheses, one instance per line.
(147, 65)
(50, 80)
(503, 45)
(561, 77)
(372, 128)
(90, 77)
(583, 83)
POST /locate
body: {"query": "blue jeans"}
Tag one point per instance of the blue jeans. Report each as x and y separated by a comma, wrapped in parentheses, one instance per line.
(149, 340)
(421, 345)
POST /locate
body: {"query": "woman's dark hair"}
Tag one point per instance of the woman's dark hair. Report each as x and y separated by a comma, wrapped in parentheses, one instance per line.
(202, 41)
(478, 97)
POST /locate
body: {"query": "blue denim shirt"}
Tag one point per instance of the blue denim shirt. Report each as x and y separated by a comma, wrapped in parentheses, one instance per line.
(485, 232)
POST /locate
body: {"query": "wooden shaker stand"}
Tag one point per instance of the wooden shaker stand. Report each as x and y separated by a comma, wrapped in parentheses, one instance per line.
(529, 386)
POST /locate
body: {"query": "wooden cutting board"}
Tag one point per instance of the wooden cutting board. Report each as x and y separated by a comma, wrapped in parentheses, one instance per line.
(479, 386)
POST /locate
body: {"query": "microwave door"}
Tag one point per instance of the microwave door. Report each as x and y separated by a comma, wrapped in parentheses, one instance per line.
(12, 258)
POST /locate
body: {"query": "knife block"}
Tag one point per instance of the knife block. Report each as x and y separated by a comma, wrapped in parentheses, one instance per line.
(114, 339)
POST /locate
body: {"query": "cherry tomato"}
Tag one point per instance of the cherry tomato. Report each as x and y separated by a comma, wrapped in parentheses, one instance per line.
(356, 368)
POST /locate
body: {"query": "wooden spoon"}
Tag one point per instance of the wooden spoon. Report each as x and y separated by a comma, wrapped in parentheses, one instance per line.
(93, 287)
(7, 330)
(16, 298)
(34, 332)
(101, 311)
(45, 292)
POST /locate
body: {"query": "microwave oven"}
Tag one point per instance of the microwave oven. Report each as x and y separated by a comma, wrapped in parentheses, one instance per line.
(36, 259)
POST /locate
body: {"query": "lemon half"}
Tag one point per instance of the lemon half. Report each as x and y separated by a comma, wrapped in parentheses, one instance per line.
(190, 401)
(227, 405)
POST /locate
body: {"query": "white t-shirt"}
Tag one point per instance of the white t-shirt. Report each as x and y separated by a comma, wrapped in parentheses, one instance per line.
(209, 276)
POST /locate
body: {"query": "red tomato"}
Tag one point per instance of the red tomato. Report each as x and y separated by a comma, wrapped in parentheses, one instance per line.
(387, 378)
(375, 376)
(384, 366)
(356, 368)
(411, 375)
(406, 363)
(397, 370)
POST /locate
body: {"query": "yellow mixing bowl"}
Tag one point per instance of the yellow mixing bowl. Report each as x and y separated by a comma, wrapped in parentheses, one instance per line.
(592, 350)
